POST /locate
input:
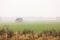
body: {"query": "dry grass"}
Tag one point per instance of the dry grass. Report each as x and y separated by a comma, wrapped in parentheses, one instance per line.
(6, 34)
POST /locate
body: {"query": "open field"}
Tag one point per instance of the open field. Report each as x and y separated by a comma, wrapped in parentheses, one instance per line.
(30, 31)
(36, 27)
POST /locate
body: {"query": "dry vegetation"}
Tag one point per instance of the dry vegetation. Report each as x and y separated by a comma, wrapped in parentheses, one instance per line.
(6, 34)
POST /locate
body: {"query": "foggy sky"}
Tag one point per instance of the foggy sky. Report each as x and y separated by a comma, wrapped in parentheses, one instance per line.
(29, 8)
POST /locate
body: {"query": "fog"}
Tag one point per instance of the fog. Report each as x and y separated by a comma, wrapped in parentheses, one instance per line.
(29, 10)
(30, 19)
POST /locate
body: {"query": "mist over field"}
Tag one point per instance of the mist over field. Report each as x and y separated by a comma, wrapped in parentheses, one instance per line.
(30, 19)
(30, 10)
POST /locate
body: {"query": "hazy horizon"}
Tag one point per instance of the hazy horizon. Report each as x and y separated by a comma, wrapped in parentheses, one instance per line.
(30, 19)
(29, 10)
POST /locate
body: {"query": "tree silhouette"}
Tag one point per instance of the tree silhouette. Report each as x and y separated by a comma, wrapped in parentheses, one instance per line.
(19, 20)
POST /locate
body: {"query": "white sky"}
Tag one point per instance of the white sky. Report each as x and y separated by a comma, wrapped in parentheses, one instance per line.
(29, 8)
